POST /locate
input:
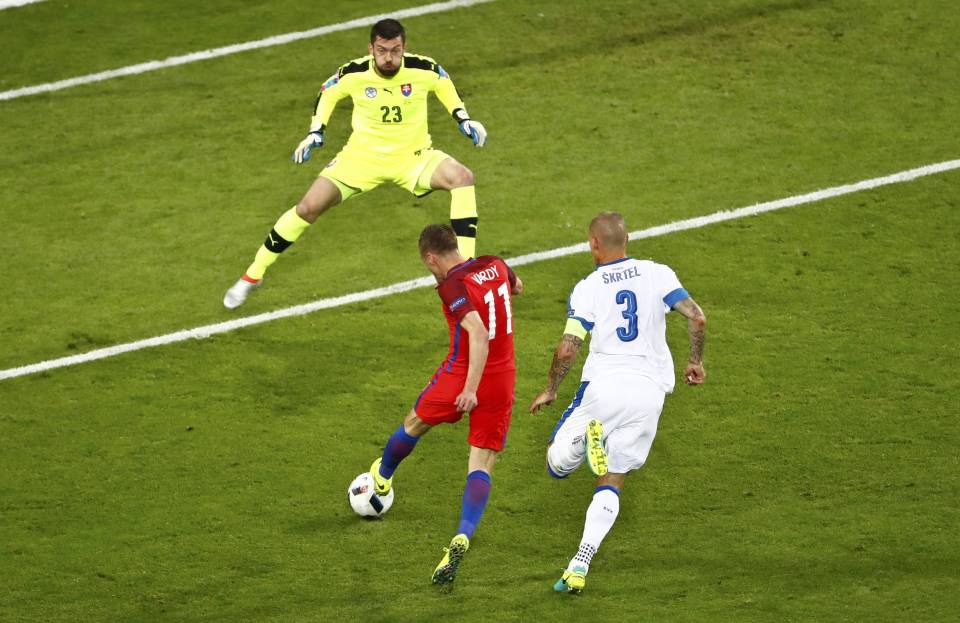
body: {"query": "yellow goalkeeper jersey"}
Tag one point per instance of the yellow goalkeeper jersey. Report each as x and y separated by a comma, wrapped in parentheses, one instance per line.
(389, 114)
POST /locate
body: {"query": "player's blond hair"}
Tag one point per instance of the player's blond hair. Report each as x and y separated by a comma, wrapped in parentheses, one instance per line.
(610, 230)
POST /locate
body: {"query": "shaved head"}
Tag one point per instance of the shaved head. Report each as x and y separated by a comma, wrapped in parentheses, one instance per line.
(609, 230)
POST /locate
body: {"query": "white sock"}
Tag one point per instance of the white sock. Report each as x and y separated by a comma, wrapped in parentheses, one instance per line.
(601, 514)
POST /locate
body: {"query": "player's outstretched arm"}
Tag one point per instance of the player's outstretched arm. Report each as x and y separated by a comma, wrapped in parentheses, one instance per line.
(694, 373)
(563, 359)
(330, 93)
(479, 348)
(448, 96)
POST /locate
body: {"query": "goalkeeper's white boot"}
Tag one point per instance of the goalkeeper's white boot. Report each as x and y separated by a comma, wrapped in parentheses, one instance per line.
(238, 292)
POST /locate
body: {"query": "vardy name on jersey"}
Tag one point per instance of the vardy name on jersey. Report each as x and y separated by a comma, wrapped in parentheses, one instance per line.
(485, 275)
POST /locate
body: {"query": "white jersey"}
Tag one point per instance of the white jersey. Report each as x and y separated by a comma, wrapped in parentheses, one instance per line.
(623, 304)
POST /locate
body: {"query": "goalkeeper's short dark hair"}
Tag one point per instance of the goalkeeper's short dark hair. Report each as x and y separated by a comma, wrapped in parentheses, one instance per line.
(439, 239)
(388, 29)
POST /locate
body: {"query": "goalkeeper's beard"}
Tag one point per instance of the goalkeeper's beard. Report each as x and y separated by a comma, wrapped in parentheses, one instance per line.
(388, 73)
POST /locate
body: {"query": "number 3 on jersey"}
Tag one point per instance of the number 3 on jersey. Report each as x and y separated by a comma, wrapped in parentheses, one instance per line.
(490, 300)
(629, 333)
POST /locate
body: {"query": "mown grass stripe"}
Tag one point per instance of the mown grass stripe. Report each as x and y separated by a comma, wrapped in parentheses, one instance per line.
(423, 282)
(203, 55)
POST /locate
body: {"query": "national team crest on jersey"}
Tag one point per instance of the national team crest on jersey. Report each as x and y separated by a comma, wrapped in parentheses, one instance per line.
(370, 92)
(406, 89)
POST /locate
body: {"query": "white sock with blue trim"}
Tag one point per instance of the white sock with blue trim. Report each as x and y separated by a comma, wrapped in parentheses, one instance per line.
(601, 515)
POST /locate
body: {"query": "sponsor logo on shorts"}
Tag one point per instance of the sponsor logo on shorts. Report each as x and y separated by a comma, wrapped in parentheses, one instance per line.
(370, 92)
(406, 89)
(457, 303)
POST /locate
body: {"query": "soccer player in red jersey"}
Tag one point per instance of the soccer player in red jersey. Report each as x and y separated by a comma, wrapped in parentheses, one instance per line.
(477, 377)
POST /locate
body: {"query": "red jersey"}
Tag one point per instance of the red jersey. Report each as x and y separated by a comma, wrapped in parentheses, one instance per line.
(483, 285)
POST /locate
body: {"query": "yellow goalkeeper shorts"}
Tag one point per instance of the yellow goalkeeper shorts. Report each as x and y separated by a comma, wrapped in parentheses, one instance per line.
(355, 172)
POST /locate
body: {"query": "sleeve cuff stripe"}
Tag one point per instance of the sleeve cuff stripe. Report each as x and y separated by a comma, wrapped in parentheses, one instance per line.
(675, 297)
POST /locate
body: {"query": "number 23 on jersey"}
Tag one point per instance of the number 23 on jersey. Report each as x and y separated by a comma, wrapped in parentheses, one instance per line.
(391, 114)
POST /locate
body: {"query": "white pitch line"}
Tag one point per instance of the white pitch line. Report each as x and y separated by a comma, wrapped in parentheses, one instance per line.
(9, 4)
(423, 282)
(729, 215)
(173, 61)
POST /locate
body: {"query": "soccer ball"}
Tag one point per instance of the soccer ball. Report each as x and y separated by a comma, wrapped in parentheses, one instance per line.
(364, 501)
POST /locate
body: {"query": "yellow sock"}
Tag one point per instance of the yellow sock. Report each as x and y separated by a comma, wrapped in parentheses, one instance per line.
(463, 219)
(261, 262)
(287, 229)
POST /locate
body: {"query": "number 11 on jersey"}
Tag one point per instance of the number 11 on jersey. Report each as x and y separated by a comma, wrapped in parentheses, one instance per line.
(490, 300)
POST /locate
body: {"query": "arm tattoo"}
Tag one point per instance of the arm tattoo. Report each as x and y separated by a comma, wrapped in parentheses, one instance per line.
(563, 359)
(696, 327)
(697, 338)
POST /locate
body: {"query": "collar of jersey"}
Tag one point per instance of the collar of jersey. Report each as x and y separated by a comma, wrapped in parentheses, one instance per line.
(462, 264)
(459, 266)
(622, 259)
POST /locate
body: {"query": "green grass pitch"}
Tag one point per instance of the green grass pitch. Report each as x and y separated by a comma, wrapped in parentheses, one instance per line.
(814, 477)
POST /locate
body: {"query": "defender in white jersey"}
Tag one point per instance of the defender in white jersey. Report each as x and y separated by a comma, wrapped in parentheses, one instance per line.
(613, 417)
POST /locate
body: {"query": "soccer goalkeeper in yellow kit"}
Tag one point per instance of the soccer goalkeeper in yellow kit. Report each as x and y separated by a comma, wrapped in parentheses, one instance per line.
(389, 143)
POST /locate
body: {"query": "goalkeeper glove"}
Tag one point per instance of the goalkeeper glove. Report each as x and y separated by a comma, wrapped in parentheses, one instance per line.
(474, 130)
(302, 153)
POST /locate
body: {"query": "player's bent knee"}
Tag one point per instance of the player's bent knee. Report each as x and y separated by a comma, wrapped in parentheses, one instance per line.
(553, 469)
(464, 177)
(413, 425)
(304, 211)
(309, 209)
(322, 196)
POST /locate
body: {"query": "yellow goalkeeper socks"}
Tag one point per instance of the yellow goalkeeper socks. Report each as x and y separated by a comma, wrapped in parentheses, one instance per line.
(463, 219)
(288, 228)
